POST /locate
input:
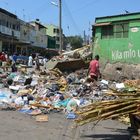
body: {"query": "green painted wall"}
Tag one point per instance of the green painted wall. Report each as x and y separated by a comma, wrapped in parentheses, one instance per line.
(50, 30)
(51, 43)
(119, 49)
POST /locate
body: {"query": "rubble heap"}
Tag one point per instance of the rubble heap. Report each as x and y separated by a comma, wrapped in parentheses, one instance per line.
(39, 93)
(127, 102)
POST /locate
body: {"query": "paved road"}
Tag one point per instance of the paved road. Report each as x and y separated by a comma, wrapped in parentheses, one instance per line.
(17, 126)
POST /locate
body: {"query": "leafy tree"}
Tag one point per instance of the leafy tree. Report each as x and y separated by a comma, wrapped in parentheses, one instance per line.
(75, 41)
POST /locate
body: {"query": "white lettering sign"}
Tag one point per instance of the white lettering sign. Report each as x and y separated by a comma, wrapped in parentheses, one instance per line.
(134, 30)
(118, 55)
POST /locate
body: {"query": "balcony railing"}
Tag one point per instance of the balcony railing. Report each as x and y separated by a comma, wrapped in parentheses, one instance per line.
(10, 32)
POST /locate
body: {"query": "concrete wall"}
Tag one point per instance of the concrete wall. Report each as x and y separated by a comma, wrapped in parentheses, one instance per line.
(119, 71)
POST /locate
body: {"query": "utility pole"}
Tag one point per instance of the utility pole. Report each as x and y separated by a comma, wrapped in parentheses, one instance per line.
(85, 37)
(89, 38)
(60, 25)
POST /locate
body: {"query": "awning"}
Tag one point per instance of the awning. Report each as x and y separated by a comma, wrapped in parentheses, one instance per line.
(24, 43)
(102, 24)
(51, 49)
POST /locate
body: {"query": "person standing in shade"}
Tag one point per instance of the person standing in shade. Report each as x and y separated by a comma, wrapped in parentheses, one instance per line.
(37, 63)
(15, 58)
(13, 67)
(94, 71)
(30, 61)
(45, 63)
(3, 59)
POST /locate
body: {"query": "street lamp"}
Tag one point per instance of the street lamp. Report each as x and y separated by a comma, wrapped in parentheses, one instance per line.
(60, 23)
(53, 3)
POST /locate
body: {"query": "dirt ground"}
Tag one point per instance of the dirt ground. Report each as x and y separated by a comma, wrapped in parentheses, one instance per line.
(18, 126)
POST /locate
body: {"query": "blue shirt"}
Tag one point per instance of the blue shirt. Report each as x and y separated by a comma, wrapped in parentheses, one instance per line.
(15, 58)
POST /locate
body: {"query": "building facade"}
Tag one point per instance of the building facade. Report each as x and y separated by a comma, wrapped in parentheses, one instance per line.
(116, 39)
(9, 31)
(27, 38)
(18, 36)
(33, 38)
(54, 32)
(41, 37)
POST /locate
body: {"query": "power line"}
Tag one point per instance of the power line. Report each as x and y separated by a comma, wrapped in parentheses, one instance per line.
(86, 6)
(71, 17)
(41, 8)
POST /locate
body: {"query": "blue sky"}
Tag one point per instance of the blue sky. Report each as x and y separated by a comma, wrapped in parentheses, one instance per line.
(78, 15)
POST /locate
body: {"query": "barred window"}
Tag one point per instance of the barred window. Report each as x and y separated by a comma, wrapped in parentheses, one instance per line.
(115, 31)
(121, 30)
(107, 31)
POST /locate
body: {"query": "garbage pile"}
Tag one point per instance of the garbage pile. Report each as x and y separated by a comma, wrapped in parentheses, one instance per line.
(39, 93)
(80, 53)
(71, 60)
(42, 92)
(127, 102)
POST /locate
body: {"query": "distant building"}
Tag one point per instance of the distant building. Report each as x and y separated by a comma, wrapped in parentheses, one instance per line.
(53, 31)
(32, 38)
(27, 38)
(9, 31)
(18, 36)
(41, 37)
(51, 43)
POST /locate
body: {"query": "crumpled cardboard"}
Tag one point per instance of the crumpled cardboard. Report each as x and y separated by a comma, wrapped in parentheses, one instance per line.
(42, 118)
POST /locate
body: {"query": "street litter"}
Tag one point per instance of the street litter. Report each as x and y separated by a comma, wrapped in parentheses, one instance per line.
(42, 118)
(38, 93)
(127, 102)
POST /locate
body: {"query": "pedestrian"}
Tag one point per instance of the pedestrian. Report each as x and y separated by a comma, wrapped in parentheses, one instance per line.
(0, 59)
(15, 58)
(37, 63)
(13, 67)
(45, 63)
(8, 64)
(30, 61)
(94, 71)
(3, 60)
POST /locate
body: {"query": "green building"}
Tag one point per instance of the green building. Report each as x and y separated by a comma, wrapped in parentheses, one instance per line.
(117, 38)
(53, 31)
(51, 43)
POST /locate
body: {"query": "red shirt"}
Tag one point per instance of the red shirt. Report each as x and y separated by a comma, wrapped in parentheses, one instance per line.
(2, 57)
(94, 68)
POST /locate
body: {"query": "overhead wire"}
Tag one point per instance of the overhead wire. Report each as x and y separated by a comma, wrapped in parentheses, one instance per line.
(85, 6)
(41, 8)
(70, 12)
(67, 10)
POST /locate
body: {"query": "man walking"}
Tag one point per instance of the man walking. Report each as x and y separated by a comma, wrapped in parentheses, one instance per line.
(94, 71)
(30, 61)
